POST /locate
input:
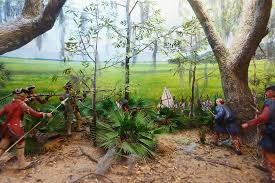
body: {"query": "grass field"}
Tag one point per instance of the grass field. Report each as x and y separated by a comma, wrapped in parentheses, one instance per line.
(145, 82)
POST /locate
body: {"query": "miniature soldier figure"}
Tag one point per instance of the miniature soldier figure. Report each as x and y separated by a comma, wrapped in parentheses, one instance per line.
(71, 109)
(32, 96)
(125, 105)
(208, 103)
(182, 105)
(12, 129)
(267, 142)
(118, 104)
(176, 106)
(160, 105)
(225, 123)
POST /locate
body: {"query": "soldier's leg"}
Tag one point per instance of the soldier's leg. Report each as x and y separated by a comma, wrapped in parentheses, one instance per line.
(79, 121)
(216, 138)
(4, 144)
(269, 159)
(22, 162)
(68, 123)
(236, 144)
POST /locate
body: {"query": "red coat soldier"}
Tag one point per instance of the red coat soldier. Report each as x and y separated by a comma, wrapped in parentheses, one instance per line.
(267, 142)
(12, 129)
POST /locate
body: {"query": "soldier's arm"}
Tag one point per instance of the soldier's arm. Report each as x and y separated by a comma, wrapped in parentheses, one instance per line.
(40, 100)
(262, 118)
(28, 110)
(219, 113)
(62, 97)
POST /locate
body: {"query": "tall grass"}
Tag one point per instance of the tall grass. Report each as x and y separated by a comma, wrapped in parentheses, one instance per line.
(145, 82)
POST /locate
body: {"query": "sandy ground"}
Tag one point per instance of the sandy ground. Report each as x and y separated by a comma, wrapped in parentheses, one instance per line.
(66, 163)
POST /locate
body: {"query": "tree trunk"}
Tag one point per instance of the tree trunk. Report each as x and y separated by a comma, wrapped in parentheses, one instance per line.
(33, 22)
(234, 62)
(181, 74)
(62, 34)
(128, 48)
(93, 124)
(155, 54)
(193, 92)
(190, 74)
(1, 10)
(240, 99)
(94, 86)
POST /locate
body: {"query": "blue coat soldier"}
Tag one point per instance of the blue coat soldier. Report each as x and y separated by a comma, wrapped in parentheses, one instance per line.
(225, 123)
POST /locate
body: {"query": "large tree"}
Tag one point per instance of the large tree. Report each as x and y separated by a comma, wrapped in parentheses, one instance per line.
(234, 61)
(34, 20)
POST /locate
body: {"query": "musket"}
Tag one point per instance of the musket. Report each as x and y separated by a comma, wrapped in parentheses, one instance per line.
(255, 108)
(46, 95)
(211, 112)
(61, 103)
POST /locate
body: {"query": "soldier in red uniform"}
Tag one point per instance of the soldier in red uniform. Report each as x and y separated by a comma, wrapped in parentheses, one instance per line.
(267, 142)
(12, 129)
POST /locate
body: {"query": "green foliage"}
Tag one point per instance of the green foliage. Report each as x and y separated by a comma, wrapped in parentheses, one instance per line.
(104, 108)
(32, 146)
(131, 135)
(203, 118)
(148, 85)
(172, 120)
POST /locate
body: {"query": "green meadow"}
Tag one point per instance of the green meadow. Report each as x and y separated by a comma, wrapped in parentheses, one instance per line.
(145, 82)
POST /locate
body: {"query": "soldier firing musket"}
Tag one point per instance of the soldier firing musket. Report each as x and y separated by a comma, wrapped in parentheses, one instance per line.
(12, 129)
(33, 97)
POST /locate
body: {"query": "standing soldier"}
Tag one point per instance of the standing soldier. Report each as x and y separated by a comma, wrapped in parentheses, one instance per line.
(182, 104)
(71, 109)
(12, 129)
(225, 123)
(267, 142)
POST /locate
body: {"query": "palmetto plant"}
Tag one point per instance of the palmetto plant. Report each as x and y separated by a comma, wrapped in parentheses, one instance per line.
(171, 120)
(130, 135)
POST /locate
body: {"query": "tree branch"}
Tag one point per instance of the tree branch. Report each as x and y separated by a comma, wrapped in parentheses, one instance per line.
(32, 23)
(213, 37)
(253, 28)
(152, 42)
(133, 8)
(32, 8)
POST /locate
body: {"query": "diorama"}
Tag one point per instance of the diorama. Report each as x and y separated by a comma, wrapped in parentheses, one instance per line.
(137, 91)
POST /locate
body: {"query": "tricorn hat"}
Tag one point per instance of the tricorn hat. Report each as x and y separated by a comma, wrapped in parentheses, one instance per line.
(30, 87)
(124, 102)
(19, 91)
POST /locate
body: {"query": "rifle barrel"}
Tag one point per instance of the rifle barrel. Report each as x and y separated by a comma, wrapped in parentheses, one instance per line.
(45, 95)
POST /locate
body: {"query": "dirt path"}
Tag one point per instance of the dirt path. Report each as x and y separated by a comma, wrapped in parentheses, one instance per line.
(67, 164)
